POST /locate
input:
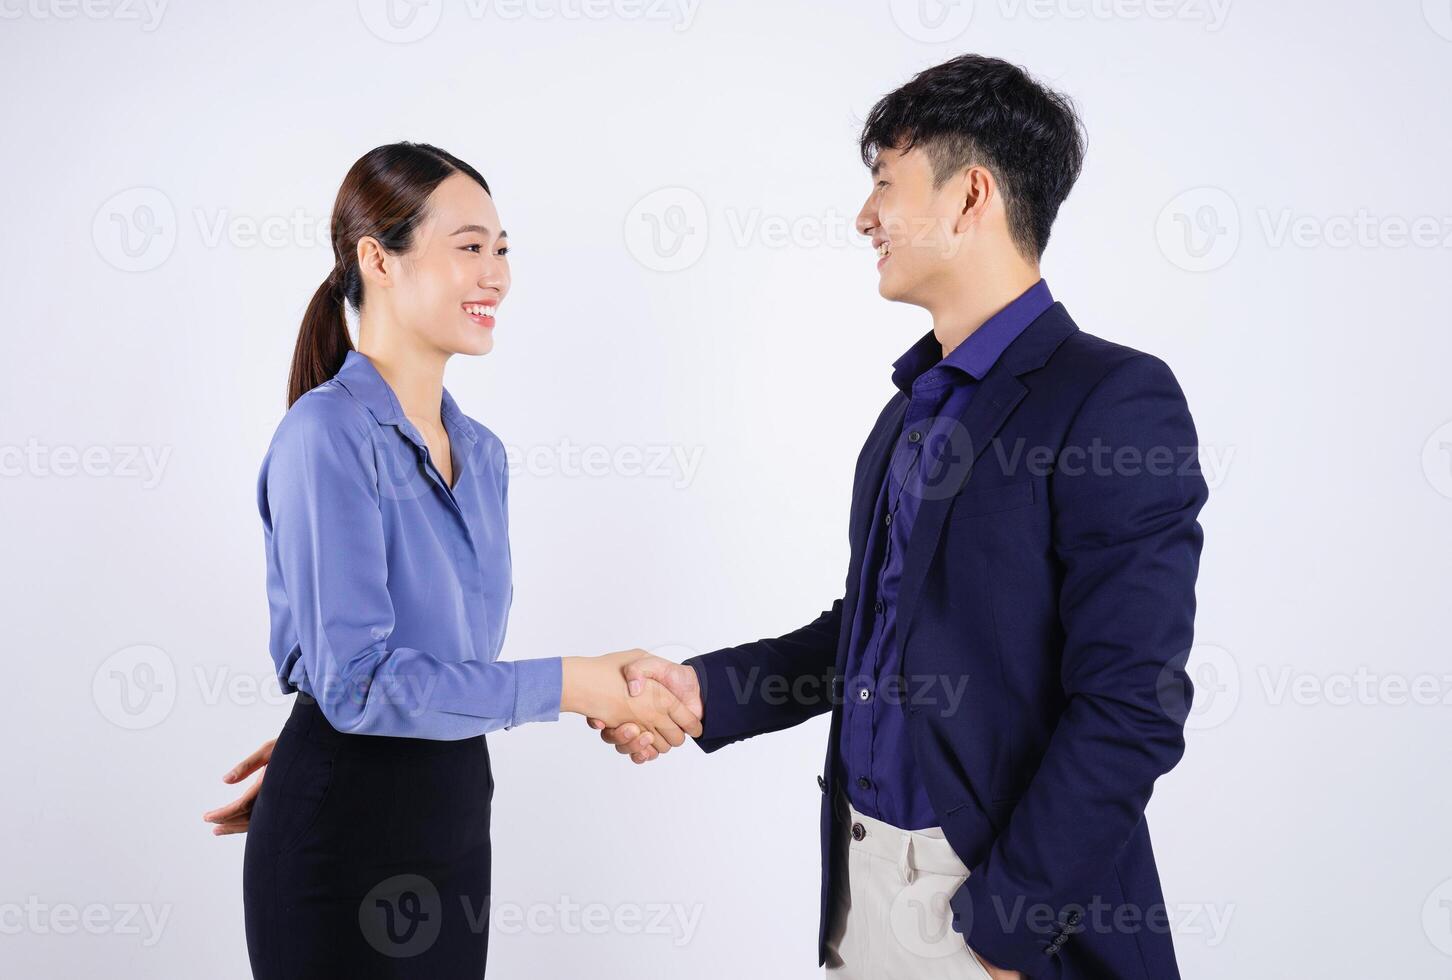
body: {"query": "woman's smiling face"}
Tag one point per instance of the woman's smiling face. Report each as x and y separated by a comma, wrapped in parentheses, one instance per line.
(449, 285)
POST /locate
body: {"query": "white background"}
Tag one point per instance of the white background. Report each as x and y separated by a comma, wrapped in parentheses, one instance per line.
(1253, 171)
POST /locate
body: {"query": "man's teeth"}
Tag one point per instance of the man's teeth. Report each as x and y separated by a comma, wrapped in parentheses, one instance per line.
(882, 249)
(479, 310)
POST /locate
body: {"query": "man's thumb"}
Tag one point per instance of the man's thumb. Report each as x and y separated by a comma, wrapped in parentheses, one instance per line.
(636, 675)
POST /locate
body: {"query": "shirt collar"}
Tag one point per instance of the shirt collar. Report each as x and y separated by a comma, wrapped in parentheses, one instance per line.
(982, 348)
(364, 383)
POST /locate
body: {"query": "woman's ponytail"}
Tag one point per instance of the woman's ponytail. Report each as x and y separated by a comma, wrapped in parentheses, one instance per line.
(322, 341)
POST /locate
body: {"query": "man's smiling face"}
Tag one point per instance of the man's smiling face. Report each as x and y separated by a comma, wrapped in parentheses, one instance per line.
(912, 225)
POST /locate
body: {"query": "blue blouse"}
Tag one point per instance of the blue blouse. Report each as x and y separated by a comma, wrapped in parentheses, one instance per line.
(390, 590)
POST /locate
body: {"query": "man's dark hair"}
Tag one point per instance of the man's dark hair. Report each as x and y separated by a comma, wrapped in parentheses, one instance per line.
(977, 111)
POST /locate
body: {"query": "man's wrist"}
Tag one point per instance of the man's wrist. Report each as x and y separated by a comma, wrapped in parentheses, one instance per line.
(699, 670)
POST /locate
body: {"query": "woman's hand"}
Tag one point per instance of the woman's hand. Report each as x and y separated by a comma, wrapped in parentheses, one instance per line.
(596, 688)
(234, 817)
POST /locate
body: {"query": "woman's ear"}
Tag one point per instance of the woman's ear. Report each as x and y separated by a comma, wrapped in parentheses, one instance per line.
(373, 264)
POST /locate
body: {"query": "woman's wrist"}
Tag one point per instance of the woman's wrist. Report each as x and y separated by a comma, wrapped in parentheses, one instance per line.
(570, 668)
(579, 684)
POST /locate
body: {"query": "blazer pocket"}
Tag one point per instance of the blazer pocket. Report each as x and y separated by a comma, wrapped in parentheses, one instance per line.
(992, 500)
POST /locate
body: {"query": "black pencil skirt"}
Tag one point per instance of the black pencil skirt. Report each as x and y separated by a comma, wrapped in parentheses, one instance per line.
(368, 856)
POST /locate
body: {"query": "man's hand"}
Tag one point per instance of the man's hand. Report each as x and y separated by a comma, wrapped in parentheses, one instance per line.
(235, 816)
(679, 679)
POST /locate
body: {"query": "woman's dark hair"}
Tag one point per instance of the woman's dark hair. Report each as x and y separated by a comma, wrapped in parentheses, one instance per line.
(384, 196)
(983, 111)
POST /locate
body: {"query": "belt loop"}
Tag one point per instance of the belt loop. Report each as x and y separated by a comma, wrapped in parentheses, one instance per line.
(905, 859)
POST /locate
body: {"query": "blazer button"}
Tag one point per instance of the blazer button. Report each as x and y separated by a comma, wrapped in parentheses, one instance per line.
(858, 831)
(821, 784)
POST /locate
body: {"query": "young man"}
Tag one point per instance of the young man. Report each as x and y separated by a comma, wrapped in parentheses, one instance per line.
(1005, 670)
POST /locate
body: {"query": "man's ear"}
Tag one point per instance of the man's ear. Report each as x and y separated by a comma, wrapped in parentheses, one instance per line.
(975, 189)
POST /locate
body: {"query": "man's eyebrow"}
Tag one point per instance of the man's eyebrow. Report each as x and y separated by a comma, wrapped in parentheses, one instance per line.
(876, 167)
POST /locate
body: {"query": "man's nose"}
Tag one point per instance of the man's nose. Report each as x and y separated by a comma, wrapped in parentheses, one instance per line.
(866, 222)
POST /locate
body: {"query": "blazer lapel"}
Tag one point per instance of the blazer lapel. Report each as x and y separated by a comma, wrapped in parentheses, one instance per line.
(997, 396)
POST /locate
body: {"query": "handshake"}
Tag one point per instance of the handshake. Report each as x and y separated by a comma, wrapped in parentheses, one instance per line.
(640, 703)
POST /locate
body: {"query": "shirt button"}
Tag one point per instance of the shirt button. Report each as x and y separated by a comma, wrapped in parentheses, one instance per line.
(864, 694)
(915, 436)
(863, 782)
(879, 606)
(887, 520)
(858, 831)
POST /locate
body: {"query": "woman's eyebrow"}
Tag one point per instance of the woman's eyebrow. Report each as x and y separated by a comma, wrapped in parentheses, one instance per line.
(480, 229)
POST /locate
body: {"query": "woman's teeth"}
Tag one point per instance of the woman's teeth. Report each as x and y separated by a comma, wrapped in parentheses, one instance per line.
(475, 310)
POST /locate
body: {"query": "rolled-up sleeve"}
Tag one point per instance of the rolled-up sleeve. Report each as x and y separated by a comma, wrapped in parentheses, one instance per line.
(326, 546)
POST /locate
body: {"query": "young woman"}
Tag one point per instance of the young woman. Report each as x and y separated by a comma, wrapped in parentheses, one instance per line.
(384, 510)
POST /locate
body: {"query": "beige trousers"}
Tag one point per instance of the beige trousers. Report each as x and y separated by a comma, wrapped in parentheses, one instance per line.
(890, 915)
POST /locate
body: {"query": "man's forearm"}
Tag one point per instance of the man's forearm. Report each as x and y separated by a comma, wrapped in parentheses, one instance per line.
(770, 684)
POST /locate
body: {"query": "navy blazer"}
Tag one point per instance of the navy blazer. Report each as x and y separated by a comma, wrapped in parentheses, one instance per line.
(1048, 604)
